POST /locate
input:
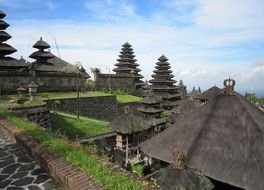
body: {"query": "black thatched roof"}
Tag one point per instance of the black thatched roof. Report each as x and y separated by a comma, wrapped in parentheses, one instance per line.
(3, 25)
(4, 36)
(194, 94)
(127, 64)
(162, 83)
(2, 14)
(11, 62)
(40, 44)
(129, 123)
(56, 64)
(223, 139)
(211, 93)
(186, 179)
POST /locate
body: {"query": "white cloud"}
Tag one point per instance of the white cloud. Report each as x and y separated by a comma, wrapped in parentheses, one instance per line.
(108, 9)
(30, 4)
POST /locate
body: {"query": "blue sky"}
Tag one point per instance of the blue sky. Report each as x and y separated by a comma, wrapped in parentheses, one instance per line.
(206, 41)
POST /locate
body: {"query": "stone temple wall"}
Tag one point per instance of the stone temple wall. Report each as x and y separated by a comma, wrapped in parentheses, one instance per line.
(116, 82)
(101, 107)
(10, 81)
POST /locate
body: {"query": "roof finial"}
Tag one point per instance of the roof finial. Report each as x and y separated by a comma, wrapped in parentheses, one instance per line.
(229, 86)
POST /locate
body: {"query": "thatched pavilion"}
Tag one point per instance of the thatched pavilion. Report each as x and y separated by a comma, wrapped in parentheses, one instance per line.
(133, 128)
(223, 140)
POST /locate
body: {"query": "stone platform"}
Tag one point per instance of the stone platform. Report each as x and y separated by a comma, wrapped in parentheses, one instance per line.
(19, 171)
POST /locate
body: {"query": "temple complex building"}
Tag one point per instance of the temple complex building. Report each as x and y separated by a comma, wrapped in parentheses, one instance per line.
(126, 77)
(50, 72)
(223, 140)
(135, 127)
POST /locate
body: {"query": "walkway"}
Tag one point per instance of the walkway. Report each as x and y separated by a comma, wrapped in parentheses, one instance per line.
(18, 171)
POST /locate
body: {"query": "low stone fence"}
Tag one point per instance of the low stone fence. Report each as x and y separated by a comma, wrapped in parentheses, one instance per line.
(37, 114)
(100, 107)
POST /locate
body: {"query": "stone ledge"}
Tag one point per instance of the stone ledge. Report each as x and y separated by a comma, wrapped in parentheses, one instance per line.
(68, 175)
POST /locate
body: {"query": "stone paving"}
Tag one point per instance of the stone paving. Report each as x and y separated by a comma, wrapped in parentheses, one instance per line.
(19, 171)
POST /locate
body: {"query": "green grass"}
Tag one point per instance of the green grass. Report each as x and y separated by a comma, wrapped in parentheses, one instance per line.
(76, 154)
(73, 128)
(127, 98)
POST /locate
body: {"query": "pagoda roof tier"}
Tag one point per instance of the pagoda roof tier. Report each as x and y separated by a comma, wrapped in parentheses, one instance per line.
(162, 87)
(162, 67)
(170, 103)
(126, 54)
(4, 36)
(122, 69)
(163, 58)
(162, 63)
(152, 100)
(3, 25)
(2, 14)
(6, 49)
(122, 64)
(127, 49)
(162, 71)
(169, 76)
(149, 109)
(126, 59)
(127, 45)
(41, 55)
(41, 44)
(153, 81)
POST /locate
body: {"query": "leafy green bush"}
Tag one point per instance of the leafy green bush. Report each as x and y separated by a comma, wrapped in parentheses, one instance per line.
(44, 95)
(119, 92)
(89, 85)
(138, 169)
(164, 114)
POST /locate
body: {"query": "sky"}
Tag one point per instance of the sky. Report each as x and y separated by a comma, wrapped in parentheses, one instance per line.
(206, 41)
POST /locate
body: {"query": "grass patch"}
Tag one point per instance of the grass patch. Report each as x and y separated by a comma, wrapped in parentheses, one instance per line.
(73, 128)
(127, 98)
(76, 154)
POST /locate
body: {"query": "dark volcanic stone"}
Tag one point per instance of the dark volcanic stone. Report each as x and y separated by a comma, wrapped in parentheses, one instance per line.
(50, 185)
(13, 151)
(15, 188)
(7, 158)
(23, 181)
(24, 159)
(10, 169)
(38, 171)
(19, 175)
(4, 184)
(6, 163)
(41, 178)
(3, 154)
(33, 187)
(27, 167)
(3, 177)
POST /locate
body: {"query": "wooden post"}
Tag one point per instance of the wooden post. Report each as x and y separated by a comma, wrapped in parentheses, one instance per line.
(126, 150)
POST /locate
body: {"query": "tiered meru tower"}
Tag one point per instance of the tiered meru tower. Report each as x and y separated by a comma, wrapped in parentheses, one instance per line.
(163, 85)
(127, 65)
(41, 56)
(5, 49)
